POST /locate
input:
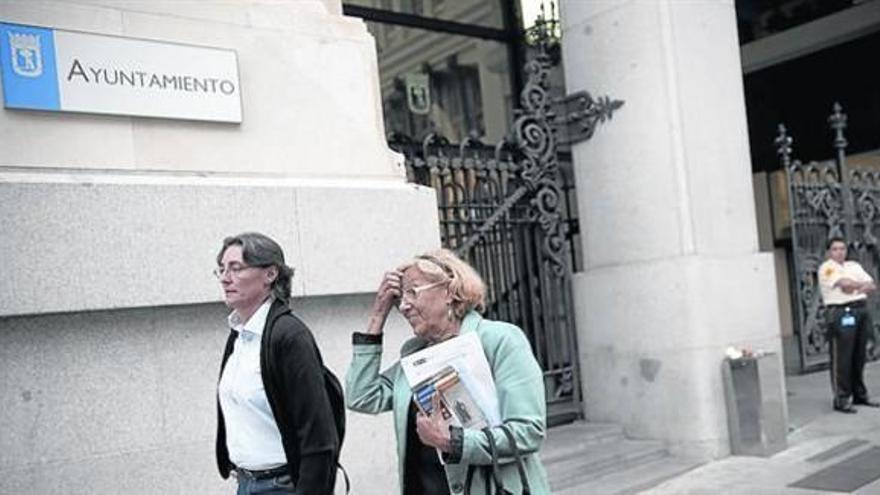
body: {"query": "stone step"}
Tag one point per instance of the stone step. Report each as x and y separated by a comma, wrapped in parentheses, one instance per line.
(597, 460)
(632, 480)
(586, 457)
(565, 441)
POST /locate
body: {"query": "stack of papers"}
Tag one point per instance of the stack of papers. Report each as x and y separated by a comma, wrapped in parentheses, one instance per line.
(457, 373)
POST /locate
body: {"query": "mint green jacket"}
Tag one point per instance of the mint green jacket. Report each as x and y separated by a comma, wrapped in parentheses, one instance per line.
(520, 385)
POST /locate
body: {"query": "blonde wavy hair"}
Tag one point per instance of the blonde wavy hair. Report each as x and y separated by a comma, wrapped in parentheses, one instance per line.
(466, 287)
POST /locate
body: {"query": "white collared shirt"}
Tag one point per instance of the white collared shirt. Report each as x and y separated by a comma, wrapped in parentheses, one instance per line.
(252, 436)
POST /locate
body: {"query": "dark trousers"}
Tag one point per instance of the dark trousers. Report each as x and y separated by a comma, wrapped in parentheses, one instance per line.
(848, 346)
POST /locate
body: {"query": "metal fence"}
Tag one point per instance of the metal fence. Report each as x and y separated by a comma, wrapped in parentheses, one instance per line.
(828, 199)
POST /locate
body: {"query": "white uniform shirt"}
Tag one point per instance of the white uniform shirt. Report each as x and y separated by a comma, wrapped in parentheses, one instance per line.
(831, 271)
(252, 437)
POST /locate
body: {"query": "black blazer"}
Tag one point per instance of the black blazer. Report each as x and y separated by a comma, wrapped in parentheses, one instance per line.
(292, 373)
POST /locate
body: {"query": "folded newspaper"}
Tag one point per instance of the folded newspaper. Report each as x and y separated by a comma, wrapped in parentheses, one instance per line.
(458, 373)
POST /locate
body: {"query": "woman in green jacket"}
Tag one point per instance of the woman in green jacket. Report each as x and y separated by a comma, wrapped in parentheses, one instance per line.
(440, 296)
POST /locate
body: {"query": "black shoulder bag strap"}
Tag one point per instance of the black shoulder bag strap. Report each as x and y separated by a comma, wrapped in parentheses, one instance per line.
(496, 469)
(519, 462)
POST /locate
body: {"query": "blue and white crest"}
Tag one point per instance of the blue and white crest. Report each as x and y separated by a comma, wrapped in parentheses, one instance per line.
(27, 58)
(27, 65)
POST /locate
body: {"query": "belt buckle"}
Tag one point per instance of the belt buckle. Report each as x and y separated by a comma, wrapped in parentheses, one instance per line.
(275, 472)
(260, 474)
(243, 473)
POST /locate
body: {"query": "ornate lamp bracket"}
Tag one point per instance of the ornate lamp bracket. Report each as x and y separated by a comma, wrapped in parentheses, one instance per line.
(580, 114)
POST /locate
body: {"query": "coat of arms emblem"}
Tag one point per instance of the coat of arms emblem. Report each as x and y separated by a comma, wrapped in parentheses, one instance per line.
(418, 93)
(27, 58)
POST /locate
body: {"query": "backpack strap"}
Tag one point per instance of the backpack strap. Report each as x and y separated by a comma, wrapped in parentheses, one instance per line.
(345, 477)
(519, 462)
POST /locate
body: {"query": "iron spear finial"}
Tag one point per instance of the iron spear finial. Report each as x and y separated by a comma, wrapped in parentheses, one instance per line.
(783, 144)
(837, 122)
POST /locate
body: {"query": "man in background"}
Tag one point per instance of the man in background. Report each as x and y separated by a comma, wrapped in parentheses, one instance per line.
(845, 286)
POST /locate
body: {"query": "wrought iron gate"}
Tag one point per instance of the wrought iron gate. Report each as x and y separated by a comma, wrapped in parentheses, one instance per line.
(828, 199)
(506, 210)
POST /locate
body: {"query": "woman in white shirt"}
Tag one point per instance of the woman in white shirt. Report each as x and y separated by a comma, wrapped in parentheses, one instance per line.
(275, 429)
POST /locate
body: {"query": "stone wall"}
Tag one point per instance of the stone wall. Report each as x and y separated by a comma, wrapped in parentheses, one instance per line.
(123, 401)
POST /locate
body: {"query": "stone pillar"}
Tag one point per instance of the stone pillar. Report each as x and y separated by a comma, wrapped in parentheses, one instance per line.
(672, 273)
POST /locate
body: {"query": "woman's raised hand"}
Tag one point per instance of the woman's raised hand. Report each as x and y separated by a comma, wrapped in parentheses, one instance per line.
(386, 298)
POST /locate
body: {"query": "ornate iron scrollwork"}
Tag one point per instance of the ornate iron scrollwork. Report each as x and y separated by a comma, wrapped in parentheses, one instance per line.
(537, 141)
(581, 114)
(534, 136)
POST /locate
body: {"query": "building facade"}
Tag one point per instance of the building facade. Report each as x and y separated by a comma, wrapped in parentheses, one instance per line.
(111, 323)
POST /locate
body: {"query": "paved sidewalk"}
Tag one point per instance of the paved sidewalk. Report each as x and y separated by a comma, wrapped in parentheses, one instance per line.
(818, 439)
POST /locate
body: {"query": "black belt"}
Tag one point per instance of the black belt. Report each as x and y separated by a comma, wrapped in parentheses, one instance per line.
(263, 473)
(855, 304)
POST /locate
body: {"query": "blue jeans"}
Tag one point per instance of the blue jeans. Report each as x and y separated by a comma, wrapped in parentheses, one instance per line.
(277, 485)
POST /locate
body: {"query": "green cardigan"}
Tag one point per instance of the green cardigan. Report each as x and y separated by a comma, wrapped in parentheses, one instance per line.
(520, 384)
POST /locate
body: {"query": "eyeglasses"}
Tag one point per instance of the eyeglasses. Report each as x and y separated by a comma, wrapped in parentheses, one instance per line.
(232, 270)
(412, 294)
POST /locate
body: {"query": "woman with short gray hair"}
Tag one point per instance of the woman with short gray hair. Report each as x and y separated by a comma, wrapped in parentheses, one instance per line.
(440, 295)
(275, 429)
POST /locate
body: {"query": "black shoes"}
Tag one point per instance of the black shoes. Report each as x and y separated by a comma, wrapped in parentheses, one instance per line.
(844, 407)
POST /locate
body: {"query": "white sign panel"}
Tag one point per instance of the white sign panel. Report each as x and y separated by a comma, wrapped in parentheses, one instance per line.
(56, 70)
